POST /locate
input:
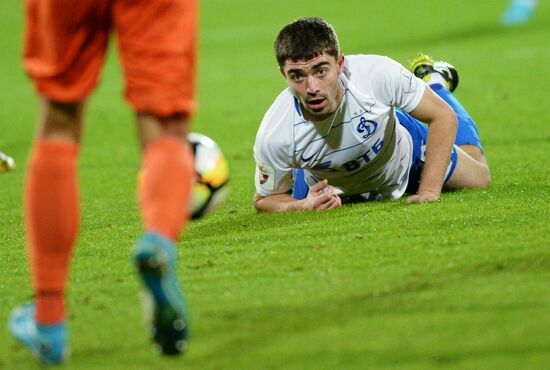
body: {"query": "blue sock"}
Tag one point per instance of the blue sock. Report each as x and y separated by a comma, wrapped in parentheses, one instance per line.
(467, 133)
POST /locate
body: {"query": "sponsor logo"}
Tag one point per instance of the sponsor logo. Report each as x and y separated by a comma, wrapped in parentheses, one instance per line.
(365, 158)
(325, 166)
(306, 159)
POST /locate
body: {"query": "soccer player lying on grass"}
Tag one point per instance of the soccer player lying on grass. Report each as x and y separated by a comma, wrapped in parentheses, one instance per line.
(353, 128)
(65, 46)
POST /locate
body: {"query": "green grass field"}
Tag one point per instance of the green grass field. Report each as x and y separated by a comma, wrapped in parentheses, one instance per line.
(459, 284)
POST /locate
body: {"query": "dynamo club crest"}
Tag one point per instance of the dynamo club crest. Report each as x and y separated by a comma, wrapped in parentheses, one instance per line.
(366, 127)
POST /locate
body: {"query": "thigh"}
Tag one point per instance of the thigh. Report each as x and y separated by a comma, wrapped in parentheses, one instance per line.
(157, 45)
(64, 46)
(468, 173)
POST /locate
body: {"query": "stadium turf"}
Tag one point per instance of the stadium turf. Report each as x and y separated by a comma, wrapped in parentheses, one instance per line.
(458, 284)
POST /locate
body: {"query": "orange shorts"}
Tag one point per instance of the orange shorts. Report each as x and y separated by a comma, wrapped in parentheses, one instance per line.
(66, 41)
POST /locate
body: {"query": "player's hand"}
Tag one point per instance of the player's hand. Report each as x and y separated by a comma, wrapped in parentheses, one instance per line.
(321, 196)
(423, 197)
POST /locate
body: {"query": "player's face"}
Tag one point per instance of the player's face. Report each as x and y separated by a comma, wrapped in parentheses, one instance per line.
(315, 84)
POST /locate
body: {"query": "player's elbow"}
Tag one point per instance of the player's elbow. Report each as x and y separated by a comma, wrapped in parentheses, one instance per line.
(451, 119)
(446, 118)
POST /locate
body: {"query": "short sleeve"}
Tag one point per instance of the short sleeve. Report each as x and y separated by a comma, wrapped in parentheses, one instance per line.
(396, 85)
(273, 151)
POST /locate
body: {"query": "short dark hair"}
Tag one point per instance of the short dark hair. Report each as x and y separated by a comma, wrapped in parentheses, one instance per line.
(306, 38)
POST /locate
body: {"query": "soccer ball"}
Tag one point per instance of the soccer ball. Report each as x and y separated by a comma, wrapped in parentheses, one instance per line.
(211, 176)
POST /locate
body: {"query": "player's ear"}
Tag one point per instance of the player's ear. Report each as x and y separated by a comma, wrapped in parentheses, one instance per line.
(340, 62)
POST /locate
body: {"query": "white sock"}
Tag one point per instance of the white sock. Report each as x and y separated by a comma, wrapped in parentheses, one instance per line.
(436, 78)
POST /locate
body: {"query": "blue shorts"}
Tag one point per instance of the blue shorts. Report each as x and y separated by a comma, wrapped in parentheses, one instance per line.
(419, 134)
(467, 134)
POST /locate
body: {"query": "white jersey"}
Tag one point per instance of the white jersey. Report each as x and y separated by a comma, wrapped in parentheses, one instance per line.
(360, 149)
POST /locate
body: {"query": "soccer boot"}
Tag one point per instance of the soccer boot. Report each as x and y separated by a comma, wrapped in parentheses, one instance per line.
(422, 66)
(47, 342)
(6, 163)
(155, 258)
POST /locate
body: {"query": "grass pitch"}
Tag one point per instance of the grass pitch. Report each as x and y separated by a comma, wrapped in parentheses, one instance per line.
(459, 284)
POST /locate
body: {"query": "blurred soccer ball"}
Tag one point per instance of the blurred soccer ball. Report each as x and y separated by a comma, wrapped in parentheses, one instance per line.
(6, 163)
(212, 175)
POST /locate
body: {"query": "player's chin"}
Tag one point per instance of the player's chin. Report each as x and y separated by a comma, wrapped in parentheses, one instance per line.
(316, 109)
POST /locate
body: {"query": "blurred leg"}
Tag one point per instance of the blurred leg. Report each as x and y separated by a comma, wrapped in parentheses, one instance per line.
(64, 48)
(157, 48)
(52, 220)
(167, 174)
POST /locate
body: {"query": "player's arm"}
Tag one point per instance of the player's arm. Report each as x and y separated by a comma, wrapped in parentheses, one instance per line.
(320, 197)
(442, 128)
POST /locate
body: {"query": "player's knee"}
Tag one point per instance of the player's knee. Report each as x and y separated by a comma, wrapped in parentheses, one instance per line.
(152, 127)
(472, 177)
(471, 172)
(482, 179)
(487, 179)
(474, 151)
(60, 120)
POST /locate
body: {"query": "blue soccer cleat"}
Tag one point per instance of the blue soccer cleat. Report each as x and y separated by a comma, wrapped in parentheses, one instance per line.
(517, 13)
(155, 258)
(47, 342)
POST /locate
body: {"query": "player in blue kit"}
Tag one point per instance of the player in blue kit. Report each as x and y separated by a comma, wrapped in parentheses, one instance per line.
(353, 127)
